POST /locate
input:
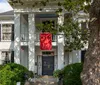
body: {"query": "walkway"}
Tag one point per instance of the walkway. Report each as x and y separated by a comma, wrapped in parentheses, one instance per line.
(44, 80)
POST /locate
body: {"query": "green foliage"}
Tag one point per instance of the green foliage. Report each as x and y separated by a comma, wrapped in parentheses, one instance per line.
(47, 27)
(72, 74)
(1, 66)
(30, 74)
(12, 73)
(76, 5)
(57, 73)
(75, 36)
(69, 5)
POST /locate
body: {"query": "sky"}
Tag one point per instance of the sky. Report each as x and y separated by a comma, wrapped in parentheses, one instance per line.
(4, 6)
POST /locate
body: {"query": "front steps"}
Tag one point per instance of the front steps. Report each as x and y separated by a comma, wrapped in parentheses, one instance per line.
(44, 80)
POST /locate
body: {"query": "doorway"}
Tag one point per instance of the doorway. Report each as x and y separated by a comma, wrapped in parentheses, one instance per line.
(47, 65)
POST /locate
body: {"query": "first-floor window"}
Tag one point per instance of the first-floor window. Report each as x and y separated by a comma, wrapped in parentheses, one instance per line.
(6, 55)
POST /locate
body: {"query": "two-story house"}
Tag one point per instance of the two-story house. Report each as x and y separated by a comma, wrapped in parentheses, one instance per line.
(26, 45)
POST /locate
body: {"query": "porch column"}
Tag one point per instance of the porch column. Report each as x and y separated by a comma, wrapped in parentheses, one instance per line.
(17, 38)
(31, 19)
(60, 43)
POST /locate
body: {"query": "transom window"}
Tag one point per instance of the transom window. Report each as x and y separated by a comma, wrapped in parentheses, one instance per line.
(6, 31)
(48, 53)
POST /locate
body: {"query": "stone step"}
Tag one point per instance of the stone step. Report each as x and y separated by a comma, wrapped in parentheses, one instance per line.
(44, 80)
(45, 83)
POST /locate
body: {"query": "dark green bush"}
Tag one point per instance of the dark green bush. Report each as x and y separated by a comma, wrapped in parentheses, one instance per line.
(12, 73)
(71, 74)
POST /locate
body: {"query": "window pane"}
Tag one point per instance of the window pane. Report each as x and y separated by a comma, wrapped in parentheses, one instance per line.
(6, 36)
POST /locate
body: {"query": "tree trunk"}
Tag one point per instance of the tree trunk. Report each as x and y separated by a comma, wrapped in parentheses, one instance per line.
(91, 68)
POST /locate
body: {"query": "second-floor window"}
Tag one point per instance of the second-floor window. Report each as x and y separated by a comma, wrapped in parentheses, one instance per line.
(52, 25)
(6, 31)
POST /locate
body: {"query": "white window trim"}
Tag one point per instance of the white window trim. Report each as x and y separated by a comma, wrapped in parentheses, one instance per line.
(2, 34)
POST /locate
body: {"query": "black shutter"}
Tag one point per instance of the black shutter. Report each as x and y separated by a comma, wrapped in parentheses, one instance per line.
(12, 36)
(83, 55)
(12, 56)
(0, 32)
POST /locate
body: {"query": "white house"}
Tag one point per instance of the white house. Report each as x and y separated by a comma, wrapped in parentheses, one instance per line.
(26, 44)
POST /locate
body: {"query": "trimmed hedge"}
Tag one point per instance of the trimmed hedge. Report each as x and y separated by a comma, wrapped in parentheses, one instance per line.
(71, 74)
(12, 73)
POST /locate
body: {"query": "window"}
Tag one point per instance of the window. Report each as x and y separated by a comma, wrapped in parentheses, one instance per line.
(24, 27)
(6, 55)
(48, 53)
(83, 55)
(6, 31)
(46, 23)
(53, 27)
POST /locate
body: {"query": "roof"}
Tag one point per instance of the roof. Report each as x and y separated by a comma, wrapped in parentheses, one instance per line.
(7, 13)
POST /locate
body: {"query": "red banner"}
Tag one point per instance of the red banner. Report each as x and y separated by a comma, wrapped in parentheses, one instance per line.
(46, 41)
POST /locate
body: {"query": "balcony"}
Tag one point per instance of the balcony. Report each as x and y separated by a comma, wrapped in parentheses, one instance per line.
(54, 37)
(25, 39)
(37, 40)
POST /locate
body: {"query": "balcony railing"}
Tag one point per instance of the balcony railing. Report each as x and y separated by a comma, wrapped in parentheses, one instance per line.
(25, 37)
(54, 37)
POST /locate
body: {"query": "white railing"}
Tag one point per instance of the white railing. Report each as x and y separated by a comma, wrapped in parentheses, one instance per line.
(54, 37)
(25, 37)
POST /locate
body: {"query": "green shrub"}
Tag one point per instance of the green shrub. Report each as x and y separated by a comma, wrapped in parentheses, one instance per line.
(30, 74)
(71, 74)
(1, 66)
(12, 73)
(57, 73)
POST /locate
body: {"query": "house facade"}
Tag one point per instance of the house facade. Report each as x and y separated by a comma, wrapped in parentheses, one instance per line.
(6, 37)
(25, 45)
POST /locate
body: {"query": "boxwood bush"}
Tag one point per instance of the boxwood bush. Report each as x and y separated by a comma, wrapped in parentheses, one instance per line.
(71, 74)
(12, 73)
